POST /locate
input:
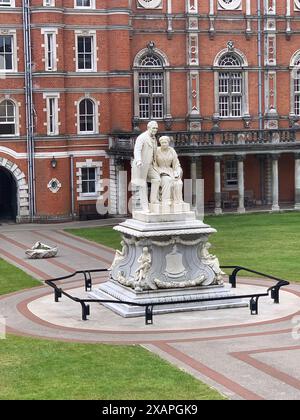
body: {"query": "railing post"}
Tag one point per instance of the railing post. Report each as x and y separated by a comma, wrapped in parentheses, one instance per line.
(149, 315)
(88, 281)
(57, 294)
(254, 305)
(85, 311)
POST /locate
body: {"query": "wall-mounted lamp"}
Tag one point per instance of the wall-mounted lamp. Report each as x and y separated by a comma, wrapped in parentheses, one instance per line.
(54, 163)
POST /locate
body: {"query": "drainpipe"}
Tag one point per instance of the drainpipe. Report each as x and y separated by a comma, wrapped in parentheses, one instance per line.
(29, 107)
(72, 184)
(260, 70)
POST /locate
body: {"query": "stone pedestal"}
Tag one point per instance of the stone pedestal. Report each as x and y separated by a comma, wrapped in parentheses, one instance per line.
(163, 259)
(113, 291)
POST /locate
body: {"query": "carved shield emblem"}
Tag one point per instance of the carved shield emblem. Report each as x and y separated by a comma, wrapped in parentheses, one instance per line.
(175, 267)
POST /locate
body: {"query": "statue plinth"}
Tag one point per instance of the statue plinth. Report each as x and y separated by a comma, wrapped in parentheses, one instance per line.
(163, 261)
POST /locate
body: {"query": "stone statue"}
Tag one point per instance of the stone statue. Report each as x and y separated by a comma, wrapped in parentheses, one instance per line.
(141, 273)
(120, 255)
(143, 166)
(212, 261)
(170, 171)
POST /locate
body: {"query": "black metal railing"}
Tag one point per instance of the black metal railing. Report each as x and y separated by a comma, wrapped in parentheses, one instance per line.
(124, 142)
(273, 292)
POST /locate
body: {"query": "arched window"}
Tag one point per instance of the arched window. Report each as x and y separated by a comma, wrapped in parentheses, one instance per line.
(87, 116)
(231, 85)
(152, 79)
(295, 84)
(151, 88)
(7, 118)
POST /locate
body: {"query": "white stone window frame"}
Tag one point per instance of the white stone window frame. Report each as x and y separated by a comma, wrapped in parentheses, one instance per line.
(47, 97)
(245, 82)
(87, 33)
(49, 3)
(294, 70)
(88, 164)
(17, 116)
(137, 69)
(8, 3)
(54, 33)
(13, 34)
(90, 7)
(96, 116)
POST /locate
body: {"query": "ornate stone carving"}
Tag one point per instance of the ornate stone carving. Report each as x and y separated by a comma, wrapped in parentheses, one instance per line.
(212, 261)
(141, 274)
(120, 255)
(229, 4)
(150, 4)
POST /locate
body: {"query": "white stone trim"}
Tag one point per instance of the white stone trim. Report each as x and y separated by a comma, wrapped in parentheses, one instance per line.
(17, 116)
(167, 81)
(234, 5)
(96, 115)
(53, 32)
(91, 7)
(13, 33)
(57, 155)
(90, 33)
(89, 163)
(22, 186)
(56, 97)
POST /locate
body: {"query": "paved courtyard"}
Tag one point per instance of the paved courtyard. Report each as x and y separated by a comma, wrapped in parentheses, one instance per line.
(243, 356)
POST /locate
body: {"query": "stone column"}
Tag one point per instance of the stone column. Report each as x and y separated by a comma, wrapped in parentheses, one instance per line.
(275, 183)
(218, 190)
(194, 179)
(241, 184)
(297, 181)
(122, 187)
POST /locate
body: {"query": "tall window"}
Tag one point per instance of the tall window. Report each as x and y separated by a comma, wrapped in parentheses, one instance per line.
(49, 3)
(87, 116)
(86, 53)
(230, 86)
(231, 173)
(52, 113)
(9, 3)
(295, 85)
(151, 88)
(89, 4)
(6, 52)
(88, 177)
(50, 52)
(7, 118)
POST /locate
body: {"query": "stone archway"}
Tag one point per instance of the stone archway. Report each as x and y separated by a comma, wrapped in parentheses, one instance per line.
(22, 196)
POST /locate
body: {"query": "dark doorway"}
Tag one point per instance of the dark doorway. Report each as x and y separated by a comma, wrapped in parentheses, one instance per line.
(8, 196)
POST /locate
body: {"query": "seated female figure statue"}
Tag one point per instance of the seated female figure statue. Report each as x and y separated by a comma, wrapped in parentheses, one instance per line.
(168, 166)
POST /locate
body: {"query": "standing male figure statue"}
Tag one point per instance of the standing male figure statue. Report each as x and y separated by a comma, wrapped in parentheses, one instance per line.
(143, 166)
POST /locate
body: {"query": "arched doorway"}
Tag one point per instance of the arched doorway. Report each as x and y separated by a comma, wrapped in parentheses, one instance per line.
(8, 195)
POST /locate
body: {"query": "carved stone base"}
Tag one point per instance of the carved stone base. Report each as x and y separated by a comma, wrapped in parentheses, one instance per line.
(166, 262)
(162, 255)
(113, 291)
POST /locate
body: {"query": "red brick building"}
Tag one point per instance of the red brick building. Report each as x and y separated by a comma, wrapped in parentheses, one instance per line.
(80, 78)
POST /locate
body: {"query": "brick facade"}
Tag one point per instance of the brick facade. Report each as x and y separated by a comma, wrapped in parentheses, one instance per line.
(190, 41)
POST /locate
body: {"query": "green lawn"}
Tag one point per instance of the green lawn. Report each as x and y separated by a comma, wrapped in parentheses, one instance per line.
(51, 370)
(264, 242)
(41, 369)
(13, 279)
(103, 235)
